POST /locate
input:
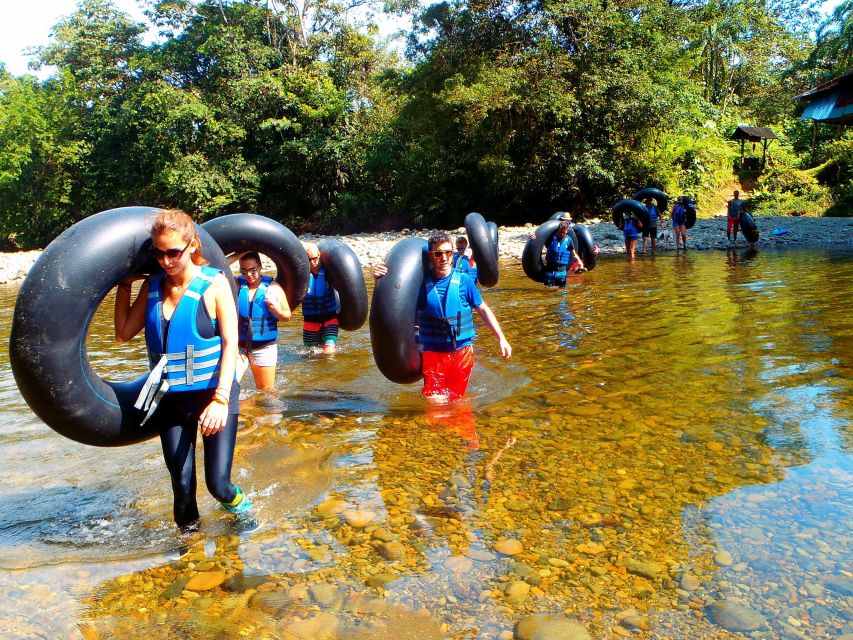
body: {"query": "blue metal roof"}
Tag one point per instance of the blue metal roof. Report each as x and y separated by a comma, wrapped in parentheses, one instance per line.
(827, 109)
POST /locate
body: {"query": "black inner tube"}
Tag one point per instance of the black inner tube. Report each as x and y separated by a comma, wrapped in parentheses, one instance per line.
(660, 198)
(55, 306)
(748, 226)
(347, 277)
(242, 232)
(585, 246)
(393, 312)
(634, 206)
(689, 212)
(480, 239)
(493, 234)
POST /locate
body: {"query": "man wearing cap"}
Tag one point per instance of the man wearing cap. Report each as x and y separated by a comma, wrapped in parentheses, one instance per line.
(561, 257)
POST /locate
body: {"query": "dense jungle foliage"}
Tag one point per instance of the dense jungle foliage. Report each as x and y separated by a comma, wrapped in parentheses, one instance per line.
(301, 111)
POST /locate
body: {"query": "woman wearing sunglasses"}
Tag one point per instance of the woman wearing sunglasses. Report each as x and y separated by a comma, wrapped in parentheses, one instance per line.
(190, 322)
(261, 303)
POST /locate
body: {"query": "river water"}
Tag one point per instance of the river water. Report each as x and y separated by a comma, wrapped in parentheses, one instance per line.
(666, 455)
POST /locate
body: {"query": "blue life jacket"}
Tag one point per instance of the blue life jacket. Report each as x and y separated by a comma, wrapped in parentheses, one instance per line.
(255, 318)
(461, 264)
(679, 215)
(630, 227)
(320, 299)
(445, 325)
(653, 216)
(559, 252)
(181, 360)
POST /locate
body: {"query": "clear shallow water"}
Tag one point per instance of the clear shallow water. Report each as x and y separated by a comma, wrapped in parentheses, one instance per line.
(668, 434)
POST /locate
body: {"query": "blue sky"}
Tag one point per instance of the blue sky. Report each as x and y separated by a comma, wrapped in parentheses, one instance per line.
(28, 24)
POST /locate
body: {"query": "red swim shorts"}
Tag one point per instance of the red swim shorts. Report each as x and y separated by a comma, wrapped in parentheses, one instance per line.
(447, 373)
(733, 223)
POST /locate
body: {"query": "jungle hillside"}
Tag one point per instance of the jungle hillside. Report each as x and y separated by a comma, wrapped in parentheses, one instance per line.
(304, 111)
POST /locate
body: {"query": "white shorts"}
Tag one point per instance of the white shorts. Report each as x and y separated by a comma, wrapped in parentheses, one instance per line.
(265, 356)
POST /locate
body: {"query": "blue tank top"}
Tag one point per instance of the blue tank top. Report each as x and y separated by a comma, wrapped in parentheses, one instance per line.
(630, 227)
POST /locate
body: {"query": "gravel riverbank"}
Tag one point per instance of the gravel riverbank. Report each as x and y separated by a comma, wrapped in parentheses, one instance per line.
(708, 234)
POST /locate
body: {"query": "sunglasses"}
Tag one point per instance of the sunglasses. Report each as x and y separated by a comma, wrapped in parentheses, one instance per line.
(172, 254)
(250, 272)
(441, 254)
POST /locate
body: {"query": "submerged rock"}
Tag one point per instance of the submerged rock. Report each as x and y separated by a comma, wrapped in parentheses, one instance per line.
(548, 627)
(732, 616)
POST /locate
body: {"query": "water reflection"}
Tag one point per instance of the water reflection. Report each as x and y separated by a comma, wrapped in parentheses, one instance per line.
(668, 452)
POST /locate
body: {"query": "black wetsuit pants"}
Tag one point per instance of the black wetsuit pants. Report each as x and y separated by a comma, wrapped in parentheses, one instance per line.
(177, 421)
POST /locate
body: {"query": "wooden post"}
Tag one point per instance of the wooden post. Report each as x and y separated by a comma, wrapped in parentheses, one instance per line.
(814, 135)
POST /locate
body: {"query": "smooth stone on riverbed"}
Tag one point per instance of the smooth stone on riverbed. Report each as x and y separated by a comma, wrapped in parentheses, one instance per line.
(517, 592)
(547, 627)
(723, 558)
(358, 518)
(650, 570)
(732, 616)
(206, 581)
(840, 584)
(508, 546)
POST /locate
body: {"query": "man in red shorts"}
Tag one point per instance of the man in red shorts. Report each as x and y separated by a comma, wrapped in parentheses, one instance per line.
(446, 324)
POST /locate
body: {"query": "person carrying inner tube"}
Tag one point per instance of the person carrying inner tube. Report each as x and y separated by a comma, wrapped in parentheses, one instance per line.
(561, 256)
(463, 259)
(733, 207)
(679, 223)
(651, 230)
(261, 303)
(631, 231)
(319, 306)
(446, 324)
(190, 322)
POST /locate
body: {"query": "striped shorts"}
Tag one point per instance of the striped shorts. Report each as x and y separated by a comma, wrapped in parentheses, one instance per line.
(315, 334)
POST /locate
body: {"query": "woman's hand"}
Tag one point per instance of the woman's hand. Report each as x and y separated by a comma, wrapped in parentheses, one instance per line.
(212, 419)
(379, 270)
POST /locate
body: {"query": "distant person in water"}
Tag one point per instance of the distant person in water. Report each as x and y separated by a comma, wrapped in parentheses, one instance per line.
(463, 259)
(650, 231)
(261, 303)
(319, 306)
(679, 223)
(561, 255)
(446, 325)
(733, 218)
(631, 230)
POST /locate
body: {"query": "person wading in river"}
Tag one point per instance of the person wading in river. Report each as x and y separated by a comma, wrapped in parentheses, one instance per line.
(446, 325)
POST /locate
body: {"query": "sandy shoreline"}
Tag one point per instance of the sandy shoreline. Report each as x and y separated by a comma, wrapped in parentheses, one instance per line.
(708, 234)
